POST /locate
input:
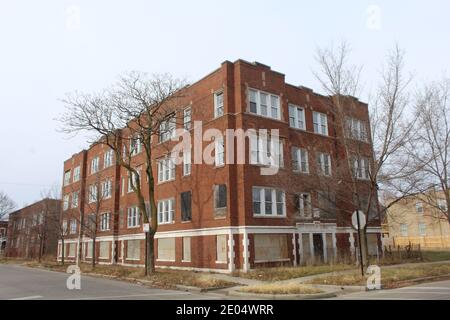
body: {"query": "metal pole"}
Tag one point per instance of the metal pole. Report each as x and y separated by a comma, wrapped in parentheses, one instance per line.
(359, 244)
(146, 253)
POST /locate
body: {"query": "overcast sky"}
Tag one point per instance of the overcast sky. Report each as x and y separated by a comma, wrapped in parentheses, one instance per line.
(48, 48)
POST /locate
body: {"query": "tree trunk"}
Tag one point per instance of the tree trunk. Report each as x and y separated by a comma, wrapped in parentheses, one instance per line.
(40, 250)
(62, 251)
(150, 263)
(93, 253)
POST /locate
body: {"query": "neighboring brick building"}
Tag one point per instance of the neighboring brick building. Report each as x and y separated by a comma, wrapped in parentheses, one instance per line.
(3, 235)
(34, 228)
(419, 220)
(224, 217)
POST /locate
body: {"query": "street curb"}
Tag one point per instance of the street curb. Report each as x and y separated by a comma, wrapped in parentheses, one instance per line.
(324, 295)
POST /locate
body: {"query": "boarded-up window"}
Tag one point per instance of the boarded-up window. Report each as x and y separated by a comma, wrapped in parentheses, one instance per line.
(166, 249)
(187, 249)
(89, 249)
(72, 250)
(133, 249)
(270, 247)
(221, 243)
(104, 249)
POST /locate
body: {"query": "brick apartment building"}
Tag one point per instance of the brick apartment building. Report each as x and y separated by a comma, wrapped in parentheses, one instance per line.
(3, 235)
(226, 217)
(34, 229)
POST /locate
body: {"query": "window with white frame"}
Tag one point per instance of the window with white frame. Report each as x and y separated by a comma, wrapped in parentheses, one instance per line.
(297, 117)
(361, 168)
(323, 163)
(76, 174)
(104, 221)
(73, 226)
(135, 145)
(166, 169)
(108, 158)
(74, 199)
(132, 178)
(107, 189)
(95, 165)
(442, 204)
(422, 229)
(93, 193)
(64, 226)
(133, 249)
(320, 123)
(167, 129)
(220, 196)
(356, 129)
(66, 202)
(186, 163)
(187, 119)
(300, 161)
(266, 151)
(166, 209)
(419, 207)
(67, 177)
(304, 205)
(218, 104)
(219, 151)
(133, 217)
(264, 104)
(268, 202)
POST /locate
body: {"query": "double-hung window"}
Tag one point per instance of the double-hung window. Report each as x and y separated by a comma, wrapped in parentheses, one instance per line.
(135, 145)
(167, 129)
(300, 160)
(76, 174)
(219, 152)
(108, 158)
(186, 206)
(74, 203)
(104, 221)
(404, 229)
(419, 207)
(166, 169)
(356, 129)
(133, 217)
(187, 119)
(218, 104)
(320, 123)
(361, 168)
(66, 202)
(93, 193)
(268, 202)
(324, 163)
(266, 151)
(67, 177)
(264, 104)
(73, 226)
(106, 189)
(304, 205)
(296, 117)
(166, 209)
(186, 163)
(95, 165)
(422, 229)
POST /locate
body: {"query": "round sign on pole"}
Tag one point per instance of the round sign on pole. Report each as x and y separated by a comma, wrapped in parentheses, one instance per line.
(362, 219)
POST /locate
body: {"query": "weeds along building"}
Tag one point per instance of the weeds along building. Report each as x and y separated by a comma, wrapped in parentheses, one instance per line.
(33, 230)
(222, 216)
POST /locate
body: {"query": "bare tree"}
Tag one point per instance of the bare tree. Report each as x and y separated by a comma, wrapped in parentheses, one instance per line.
(125, 118)
(389, 130)
(6, 205)
(430, 147)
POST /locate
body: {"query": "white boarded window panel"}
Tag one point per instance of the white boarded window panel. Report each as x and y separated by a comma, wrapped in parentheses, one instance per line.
(166, 249)
(221, 243)
(270, 247)
(187, 249)
(133, 249)
(104, 249)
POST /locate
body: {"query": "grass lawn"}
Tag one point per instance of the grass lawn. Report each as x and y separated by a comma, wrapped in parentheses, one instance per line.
(285, 273)
(390, 277)
(162, 278)
(273, 288)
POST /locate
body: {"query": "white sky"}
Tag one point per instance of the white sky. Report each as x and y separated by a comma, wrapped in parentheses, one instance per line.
(45, 53)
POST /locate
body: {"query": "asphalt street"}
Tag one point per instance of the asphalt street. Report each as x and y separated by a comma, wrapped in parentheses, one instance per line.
(439, 290)
(23, 283)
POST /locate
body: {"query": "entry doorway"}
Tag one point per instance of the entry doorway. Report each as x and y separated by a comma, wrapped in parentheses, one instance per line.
(318, 247)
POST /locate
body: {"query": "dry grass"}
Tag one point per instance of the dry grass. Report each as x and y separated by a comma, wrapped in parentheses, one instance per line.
(273, 288)
(285, 273)
(390, 278)
(161, 278)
